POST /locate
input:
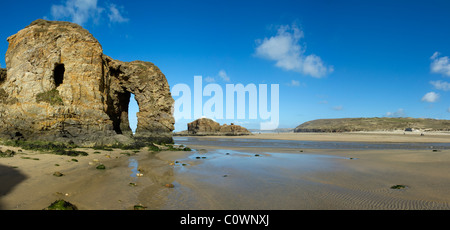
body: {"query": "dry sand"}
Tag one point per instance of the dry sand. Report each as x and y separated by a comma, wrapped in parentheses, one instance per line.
(209, 178)
(387, 137)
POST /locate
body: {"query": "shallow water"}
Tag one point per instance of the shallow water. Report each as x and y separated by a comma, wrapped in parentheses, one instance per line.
(263, 143)
(228, 179)
(220, 178)
(133, 164)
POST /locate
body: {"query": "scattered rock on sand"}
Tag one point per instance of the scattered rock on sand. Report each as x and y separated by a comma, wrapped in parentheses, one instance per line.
(139, 207)
(58, 174)
(101, 167)
(169, 185)
(61, 205)
(7, 153)
(398, 186)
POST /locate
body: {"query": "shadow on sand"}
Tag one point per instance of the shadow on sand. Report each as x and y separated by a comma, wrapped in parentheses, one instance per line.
(9, 177)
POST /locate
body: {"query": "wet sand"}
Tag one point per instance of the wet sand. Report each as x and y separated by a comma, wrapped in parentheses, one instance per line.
(232, 178)
(318, 179)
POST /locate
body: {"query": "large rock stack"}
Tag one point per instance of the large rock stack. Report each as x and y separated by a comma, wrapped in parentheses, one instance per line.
(208, 127)
(59, 86)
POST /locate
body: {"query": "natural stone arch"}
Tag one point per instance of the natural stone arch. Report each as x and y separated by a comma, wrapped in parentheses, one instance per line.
(60, 86)
(151, 92)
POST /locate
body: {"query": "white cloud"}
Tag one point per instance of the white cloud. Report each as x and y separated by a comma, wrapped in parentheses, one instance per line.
(441, 85)
(286, 51)
(440, 64)
(223, 75)
(81, 11)
(78, 11)
(448, 110)
(338, 108)
(399, 113)
(114, 14)
(430, 97)
(435, 55)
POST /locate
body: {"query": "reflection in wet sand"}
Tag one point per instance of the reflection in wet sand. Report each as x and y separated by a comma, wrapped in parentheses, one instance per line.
(246, 177)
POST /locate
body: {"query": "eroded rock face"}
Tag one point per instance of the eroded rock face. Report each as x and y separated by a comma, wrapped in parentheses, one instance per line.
(60, 86)
(208, 127)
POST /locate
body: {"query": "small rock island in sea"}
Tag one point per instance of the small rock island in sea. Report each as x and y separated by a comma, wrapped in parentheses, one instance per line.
(208, 127)
(59, 86)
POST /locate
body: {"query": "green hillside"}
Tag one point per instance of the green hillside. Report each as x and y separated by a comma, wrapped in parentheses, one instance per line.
(373, 124)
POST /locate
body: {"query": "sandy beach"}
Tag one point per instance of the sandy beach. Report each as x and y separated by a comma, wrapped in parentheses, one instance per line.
(234, 178)
(29, 183)
(386, 137)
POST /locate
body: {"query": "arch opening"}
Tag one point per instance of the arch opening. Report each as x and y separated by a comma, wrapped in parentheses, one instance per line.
(133, 109)
(123, 113)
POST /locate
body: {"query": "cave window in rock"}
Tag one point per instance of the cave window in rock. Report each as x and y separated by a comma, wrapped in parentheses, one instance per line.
(58, 74)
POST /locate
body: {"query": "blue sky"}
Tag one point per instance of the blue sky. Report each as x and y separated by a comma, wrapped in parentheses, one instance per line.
(331, 59)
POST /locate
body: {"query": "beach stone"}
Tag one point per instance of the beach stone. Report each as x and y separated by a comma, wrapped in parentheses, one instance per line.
(7, 153)
(101, 167)
(139, 207)
(61, 205)
(58, 174)
(169, 185)
(59, 86)
(398, 186)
